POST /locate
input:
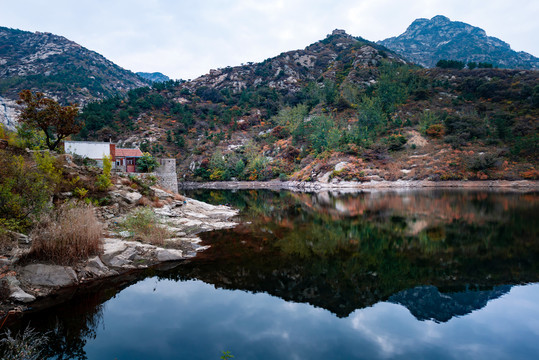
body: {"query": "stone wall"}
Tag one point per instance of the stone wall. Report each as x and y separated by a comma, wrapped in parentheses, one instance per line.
(166, 173)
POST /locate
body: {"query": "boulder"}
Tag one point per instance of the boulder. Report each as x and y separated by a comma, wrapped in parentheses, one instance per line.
(17, 294)
(132, 197)
(48, 275)
(169, 254)
(161, 194)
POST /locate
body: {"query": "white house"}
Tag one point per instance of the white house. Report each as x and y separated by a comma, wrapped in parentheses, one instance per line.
(90, 149)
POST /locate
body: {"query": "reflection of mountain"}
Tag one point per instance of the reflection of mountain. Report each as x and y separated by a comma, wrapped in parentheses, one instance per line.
(303, 248)
(299, 252)
(427, 303)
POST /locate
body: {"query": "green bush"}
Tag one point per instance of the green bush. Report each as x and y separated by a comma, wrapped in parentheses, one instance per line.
(481, 162)
(143, 225)
(395, 142)
(103, 180)
(147, 163)
(25, 189)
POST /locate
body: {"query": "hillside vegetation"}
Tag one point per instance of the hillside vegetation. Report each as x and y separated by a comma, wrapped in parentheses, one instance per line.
(342, 108)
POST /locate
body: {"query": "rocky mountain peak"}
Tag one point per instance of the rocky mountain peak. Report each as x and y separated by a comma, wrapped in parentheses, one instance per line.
(338, 57)
(339, 32)
(427, 41)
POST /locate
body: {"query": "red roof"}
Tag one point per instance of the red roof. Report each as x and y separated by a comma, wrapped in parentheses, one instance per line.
(128, 152)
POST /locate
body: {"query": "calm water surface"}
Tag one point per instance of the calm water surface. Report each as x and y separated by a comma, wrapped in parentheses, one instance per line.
(382, 275)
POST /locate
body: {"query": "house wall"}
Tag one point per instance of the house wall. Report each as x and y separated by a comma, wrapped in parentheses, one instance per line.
(89, 149)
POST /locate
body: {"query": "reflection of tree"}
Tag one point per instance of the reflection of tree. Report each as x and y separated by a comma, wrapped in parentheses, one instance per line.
(75, 321)
(302, 248)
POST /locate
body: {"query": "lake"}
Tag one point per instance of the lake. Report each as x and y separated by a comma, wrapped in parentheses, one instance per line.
(423, 274)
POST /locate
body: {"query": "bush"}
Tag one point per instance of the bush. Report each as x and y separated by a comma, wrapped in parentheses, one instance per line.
(435, 131)
(25, 190)
(103, 180)
(66, 235)
(461, 130)
(143, 225)
(481, 162)
(146, 163)
(395, 142)
(27, 345)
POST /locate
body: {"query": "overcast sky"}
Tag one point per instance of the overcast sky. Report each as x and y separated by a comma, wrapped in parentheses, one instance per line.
(185, 39)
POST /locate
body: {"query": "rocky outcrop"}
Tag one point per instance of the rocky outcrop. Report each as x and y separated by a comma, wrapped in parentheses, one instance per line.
(8, 113)
(427, 41)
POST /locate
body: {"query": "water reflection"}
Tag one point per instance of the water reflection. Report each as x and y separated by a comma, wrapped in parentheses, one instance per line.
(328, 276)
(351, 251)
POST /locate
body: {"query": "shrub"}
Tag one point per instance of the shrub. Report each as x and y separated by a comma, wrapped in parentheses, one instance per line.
(143, 225)
(25, 191)
(27, 345)
(395, 142)
(66, 235)
(435, 131)
(103, 180)
(146, 163)
(480, 162)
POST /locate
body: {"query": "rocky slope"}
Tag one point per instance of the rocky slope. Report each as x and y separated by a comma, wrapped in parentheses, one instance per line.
(58, 67)
(339, 57)
(427, 41)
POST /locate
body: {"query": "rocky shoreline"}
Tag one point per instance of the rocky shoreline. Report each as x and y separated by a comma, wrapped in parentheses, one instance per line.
(37, 285)
(516, 185)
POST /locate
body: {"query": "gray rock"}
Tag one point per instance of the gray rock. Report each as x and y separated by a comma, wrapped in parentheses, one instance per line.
(132, 197)
(161, 194)
(48, 275)
(96, 263)
(169, 254)
(125, 259)
(19, 295)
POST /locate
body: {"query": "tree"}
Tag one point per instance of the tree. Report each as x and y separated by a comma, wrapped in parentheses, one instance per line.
(57, 122)
(146, 163)
(450, 64)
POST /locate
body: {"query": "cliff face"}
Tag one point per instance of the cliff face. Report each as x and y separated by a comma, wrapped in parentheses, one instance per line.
(61, 68)
(427, 41)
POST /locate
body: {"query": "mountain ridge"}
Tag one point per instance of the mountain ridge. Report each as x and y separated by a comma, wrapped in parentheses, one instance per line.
(58, 67)
(426, 41)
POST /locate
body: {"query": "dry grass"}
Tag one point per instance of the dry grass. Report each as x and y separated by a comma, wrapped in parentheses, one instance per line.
(156, 203)
(144, 201)
(69, 234)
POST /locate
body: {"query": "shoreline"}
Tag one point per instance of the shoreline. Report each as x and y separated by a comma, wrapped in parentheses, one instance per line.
(509, 185)
(35, 286)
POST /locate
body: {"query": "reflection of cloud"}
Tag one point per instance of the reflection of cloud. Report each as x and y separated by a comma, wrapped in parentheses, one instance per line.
(367, 323)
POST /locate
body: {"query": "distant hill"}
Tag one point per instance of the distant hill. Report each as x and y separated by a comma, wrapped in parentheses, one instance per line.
(58, 67)
(427, 41)
(153, 77)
